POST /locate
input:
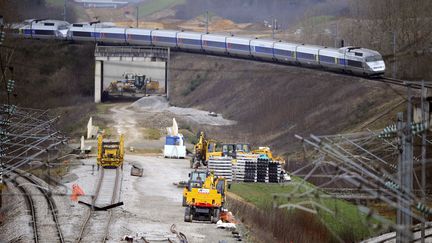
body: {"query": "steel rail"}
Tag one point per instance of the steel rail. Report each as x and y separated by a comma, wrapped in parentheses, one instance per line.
(51, 204)
(30, 205)
(113, 200)
(87, 219)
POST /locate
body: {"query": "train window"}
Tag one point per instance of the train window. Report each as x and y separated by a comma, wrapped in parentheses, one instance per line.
(190, 41)
(359, 54)
(164, 39)
(268, 50)
(114, 35)
(282, 52)
(308, 56)
(327, 59)
(215, 44)
(77, 25)
(82, 34)
(238, 47)
(356, 64)
(140, 37)
(43, 32)
(49, 24)
(374, 58)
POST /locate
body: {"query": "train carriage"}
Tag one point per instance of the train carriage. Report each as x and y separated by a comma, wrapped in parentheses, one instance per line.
(165, 38)
(189, 41)
(285, 52)
(359, 61)
(354, 60)
(331, 58)
(238, 46)
(45, 29)
(111, 35)
(307, 55)
(262, 49)
(214, 43)
(81, 32)
(138, 36)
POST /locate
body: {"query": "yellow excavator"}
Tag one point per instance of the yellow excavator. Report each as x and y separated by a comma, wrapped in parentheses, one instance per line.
(205, 199)
(267, 151)
(203, 150)
(110, 153)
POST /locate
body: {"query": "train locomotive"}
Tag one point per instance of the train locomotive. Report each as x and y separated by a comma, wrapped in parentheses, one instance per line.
(354, 60)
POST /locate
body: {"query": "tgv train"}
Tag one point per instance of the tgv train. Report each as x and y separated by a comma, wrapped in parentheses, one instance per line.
(354, 60)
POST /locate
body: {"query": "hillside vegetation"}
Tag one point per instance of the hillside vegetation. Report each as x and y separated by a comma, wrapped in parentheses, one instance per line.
(51, 74)
(273, 102)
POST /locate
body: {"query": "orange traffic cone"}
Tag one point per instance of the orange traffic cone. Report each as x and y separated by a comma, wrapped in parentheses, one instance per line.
(76, 192)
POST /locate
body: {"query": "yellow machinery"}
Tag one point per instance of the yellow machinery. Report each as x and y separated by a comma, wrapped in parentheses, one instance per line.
(110, 153)
(233, 149)
(205, 200)
(133, 83)
(151, 86)
(203, 149)
(266, 151)
(196, 180)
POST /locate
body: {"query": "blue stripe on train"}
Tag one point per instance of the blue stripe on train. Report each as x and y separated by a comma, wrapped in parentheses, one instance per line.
(266, 50)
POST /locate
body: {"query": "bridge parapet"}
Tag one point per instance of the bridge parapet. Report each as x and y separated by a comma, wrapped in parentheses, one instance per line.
(106, 52)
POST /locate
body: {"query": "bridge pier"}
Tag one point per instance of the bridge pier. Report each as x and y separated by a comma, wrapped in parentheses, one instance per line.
(111, 62)
(98, 81)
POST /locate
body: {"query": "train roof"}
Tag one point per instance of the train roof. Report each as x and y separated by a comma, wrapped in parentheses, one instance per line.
(359, 50)
(96, 24)
(45, 22)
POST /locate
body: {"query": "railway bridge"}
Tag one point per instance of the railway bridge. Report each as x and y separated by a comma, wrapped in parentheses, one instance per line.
(111, 62)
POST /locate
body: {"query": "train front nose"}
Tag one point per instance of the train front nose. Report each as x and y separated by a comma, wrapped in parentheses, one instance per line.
(377, 66)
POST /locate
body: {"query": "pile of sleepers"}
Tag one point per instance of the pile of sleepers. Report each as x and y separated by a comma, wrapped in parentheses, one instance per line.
(246, 168)
(221, 166)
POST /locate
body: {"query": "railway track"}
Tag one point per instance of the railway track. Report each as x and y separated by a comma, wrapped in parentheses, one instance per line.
(403, 83)
(40, 204)
(391, 237)
(106, 193)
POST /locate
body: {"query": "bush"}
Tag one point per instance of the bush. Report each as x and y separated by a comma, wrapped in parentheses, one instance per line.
(193, 85)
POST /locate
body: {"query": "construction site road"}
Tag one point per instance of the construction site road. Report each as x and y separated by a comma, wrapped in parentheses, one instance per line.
(152, 203)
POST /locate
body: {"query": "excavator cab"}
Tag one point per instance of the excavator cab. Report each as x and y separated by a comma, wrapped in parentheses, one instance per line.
(243, 148)
(229, 150)
(196, 180)
(139, 81)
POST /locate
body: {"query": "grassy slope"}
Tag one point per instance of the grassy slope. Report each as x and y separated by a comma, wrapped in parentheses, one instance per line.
(346, 217)
(153, 6)
(272, 102)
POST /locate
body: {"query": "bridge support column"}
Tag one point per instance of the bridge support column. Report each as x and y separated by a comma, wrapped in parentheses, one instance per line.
(98, 81)
(167, 63)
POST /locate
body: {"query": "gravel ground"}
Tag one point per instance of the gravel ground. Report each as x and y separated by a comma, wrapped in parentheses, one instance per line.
(47, 231)
(160, 104)
(152, 204)
(16, 216)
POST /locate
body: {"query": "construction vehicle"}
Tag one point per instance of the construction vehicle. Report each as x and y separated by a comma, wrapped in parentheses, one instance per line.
(134, 83)
(234, 149)
(151, 86)
(267, 151)
(203, 150)
(196, 180)
(110, 153)
(206, 202)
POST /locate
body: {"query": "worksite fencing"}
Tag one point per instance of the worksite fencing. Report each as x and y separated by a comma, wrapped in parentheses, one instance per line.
(246, 168)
